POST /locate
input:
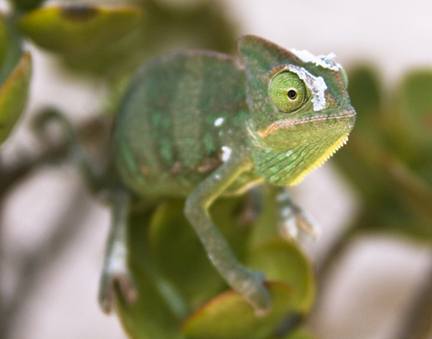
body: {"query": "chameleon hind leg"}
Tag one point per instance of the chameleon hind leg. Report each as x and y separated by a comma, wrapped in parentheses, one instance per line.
(246, 282)
(115, 268)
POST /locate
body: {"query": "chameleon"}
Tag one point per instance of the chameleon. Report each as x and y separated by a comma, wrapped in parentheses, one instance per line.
(202, 125)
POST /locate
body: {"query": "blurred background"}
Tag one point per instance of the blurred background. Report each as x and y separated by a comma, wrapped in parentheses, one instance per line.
(373, 199)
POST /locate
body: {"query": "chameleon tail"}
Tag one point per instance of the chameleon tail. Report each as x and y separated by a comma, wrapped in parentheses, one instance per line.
(79, 155)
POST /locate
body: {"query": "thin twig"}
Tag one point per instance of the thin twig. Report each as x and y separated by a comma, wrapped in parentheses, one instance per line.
(92, 131)
(10, 175)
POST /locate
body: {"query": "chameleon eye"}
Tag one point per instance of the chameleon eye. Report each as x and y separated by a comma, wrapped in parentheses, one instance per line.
(287, 91)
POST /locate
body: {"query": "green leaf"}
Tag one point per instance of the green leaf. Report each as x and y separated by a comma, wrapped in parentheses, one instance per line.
(411, 120)
(4, 40)
(13, 95)
(413, 99)
(78, 28)
(11, 50)
(365, 92)
(285, 262)
(163, 29)
(172, 272)
(27, 5)
(150, 316)
(298, 334)
(229, 316)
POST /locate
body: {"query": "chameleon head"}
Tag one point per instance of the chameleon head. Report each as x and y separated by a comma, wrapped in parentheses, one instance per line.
(300, 109)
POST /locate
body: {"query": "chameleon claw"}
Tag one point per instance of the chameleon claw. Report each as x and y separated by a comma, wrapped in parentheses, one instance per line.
(293, 220)
(297, 221)
(307, 224)
(109, 281)
(256, 294)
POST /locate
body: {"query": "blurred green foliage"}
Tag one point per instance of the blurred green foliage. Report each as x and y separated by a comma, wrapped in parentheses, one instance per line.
(389, 157)
(78, 30)
(97, 44)
(26, 5)
(15, 73)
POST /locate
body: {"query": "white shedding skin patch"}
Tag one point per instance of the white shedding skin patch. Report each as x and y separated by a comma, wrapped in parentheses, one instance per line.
(316, 84)
(325, 61)
(218, 122)
(226, 153)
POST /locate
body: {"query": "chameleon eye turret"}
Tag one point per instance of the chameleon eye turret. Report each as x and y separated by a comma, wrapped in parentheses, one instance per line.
(344, 76)
(287, 91)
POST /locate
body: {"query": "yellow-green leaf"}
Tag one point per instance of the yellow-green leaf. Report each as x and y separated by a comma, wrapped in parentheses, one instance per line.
(298, 334)
(229, 316)
(26, 5)
(13, 95)
(283, 261)
(78, 28)
(150, 316)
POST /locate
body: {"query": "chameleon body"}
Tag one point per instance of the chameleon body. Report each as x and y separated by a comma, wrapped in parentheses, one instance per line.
(202, 125)
(192, 111)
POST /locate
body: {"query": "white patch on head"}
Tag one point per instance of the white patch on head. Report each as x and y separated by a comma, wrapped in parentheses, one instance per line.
(316, 84)
(325, 61)
(218, 122)
(226, 153)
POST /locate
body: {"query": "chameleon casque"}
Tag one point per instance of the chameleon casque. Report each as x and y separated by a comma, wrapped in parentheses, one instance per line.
(202, 125)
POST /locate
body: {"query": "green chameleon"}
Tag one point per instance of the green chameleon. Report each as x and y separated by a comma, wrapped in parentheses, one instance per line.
(201, 125)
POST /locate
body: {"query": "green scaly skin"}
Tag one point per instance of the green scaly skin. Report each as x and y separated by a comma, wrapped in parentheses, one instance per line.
(202, 125)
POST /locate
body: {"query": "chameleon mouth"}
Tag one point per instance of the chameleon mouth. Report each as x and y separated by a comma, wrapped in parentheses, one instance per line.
(322, 159)
(289, 123)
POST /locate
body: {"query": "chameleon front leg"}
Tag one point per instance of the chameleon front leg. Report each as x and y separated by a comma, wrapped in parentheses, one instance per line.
(115, 268)
(246, 282)
(292, 219)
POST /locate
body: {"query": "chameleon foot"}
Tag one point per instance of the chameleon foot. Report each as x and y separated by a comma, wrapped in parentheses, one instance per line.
(109, 281)
(254, 291)
(293, 220)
